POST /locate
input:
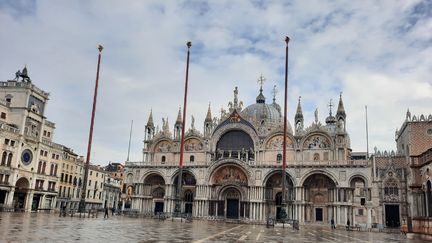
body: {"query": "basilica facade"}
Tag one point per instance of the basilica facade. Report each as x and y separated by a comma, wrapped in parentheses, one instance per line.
(232, 170)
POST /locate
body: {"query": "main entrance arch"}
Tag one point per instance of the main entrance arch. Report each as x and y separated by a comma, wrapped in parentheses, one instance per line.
(228, 186)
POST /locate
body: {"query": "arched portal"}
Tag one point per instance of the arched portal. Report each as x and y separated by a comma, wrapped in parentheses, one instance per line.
(188, 191)
(231, 198)
(273, 195)
(229, 184)
(319, 194)
(21, 189)
(154, 186)
(235, 144)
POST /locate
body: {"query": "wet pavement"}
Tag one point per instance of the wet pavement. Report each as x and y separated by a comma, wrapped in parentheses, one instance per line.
(42, 227)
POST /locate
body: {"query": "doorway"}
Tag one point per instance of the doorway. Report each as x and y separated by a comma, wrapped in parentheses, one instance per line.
(158, 207)
(19, 200)
(36, 201)
(392, 216)
(232, 208)
(188, 208)
(318, 214)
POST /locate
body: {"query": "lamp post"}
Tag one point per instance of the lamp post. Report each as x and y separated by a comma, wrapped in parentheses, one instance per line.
(87, 163)
(177, 208)
(283, 213)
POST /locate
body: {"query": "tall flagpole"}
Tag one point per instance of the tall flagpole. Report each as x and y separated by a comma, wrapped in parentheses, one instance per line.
(177, 208)
(87, 163)
(367, 134)
(130, 137)
(283, 213)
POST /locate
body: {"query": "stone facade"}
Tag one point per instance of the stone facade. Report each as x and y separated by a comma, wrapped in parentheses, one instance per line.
(30, 160)
(35, 172)
(70, 182)
(233, 169)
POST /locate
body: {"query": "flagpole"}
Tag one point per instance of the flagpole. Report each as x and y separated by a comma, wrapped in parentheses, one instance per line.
(283, 213)
(367, 134)
(177, 208)
(87, 163)
(130, 137)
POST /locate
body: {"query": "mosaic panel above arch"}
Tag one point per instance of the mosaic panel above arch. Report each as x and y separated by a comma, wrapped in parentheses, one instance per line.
(316, 142)
(193, 144)
(163, 146)
(229, 174)
(277, 141)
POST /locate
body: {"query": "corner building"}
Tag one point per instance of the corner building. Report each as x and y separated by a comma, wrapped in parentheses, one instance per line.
(233, 169)
(29, 157)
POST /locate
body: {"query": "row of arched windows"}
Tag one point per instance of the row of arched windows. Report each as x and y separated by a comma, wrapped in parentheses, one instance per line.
(42, 168)
(68, 179)
(6, 158)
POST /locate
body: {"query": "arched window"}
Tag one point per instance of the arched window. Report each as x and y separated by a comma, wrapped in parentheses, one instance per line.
(163, 159)
(3, 161)
(233, 143)
(55, 170)
(192, 158)
(391, 190)
(279, 158)
(52, 169)
(9, 161)
(39, 167)
(43, 167)
(61, 177)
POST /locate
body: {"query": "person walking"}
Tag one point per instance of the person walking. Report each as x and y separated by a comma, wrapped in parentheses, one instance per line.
(348, 224)
(106, 212)
(332, 224)
(112, 211)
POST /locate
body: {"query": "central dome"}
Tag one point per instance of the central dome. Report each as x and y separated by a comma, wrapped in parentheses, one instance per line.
(265, 114)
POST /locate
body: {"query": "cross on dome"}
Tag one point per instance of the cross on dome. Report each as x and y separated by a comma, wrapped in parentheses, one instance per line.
(274, 92)
(261, 81)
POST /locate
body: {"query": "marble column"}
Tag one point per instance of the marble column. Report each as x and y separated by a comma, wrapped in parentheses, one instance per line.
(369, 217)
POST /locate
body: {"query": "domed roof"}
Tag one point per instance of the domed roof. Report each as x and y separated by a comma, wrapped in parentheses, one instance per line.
(265, 114)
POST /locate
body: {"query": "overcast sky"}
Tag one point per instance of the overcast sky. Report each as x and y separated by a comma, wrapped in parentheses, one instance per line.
(378, 53)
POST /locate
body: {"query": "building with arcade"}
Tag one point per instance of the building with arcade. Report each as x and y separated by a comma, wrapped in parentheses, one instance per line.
(232, 169)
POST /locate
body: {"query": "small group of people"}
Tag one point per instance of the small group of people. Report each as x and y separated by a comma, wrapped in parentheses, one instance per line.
(333, 225)
(106, 212)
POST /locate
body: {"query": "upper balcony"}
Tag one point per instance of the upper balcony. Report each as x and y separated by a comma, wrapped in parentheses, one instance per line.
(13, 83)
(423, 159)
(8, 128)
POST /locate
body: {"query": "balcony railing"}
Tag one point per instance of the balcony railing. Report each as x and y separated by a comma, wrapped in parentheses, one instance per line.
(52, 144)
(423, 159)
(8, 128)
(325, 163)
(12, 83)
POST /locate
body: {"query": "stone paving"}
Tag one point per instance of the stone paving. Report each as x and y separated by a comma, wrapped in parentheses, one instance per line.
(41, 227)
